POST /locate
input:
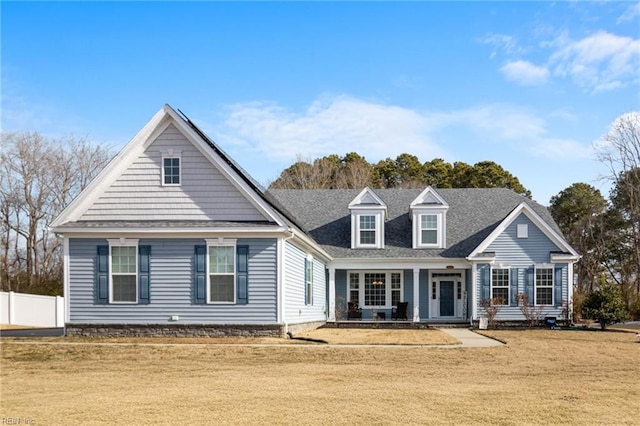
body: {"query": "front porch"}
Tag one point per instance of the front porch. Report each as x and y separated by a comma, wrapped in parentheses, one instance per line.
(417, 295)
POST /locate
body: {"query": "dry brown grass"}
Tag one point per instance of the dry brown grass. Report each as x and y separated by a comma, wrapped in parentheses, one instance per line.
(363, 336)
(539, 377)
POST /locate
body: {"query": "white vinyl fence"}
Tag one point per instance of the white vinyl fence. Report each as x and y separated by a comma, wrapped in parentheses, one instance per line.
(31, 310)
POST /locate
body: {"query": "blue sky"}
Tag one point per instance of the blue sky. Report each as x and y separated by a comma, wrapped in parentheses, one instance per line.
(530, 85)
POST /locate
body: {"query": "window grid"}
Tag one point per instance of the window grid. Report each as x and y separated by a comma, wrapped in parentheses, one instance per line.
(309, 282)
(367, 229)
(429, 228)
(500, 285)
(221, 274)
(354, 287)
(375, 289)
(544, 286)
(124, 269)
(396, 296)
(171, 170)
(434, 292)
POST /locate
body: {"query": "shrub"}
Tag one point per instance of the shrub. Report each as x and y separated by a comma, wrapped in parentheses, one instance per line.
(605, 304)
(491, 308)
(533, 314)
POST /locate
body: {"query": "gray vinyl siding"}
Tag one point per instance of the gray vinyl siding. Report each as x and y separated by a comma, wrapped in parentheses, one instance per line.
(296, 310)
(513, 313)
(407, 291)
(204, 193)
(522, 253)
(171, 286)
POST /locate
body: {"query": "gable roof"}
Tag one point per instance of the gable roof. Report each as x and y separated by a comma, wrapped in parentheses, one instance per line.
(429, 198)
(166, 116)
(474, 213)
(527, 210)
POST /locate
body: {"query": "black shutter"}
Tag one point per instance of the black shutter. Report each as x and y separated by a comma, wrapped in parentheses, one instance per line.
(200, 275)
(485, 281)
(529, 285)
(144, 252)
(102, 275)
(513, 283)
(557, 285)
(242, 274)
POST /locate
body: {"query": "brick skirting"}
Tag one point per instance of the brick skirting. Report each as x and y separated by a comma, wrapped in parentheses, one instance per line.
(174, 330)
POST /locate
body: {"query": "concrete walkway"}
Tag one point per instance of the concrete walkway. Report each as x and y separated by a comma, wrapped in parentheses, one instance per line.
(469, 339)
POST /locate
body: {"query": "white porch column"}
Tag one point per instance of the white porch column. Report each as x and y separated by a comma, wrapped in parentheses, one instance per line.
(332, 294)
(66, 277)
(416, 294)
(474, 286)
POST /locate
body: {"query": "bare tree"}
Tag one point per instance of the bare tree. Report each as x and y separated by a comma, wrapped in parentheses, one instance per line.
(619, 149)
(40, 176)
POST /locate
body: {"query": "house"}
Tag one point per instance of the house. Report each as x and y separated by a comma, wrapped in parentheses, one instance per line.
(175, 238)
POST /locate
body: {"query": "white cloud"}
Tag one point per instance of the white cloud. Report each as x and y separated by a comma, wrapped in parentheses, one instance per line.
(501, 42)
(630, 13)
(341, 124)
(596, 63)
(599, 62)
(331, 125)
(525, 73)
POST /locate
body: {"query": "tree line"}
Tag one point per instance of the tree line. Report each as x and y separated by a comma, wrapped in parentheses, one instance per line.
(606, 231)
(353, 171)
(39, 177)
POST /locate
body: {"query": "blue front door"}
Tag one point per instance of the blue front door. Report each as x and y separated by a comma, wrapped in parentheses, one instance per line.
(446, 299)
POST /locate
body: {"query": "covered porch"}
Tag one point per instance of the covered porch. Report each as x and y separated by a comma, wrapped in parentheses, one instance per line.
(437, 295)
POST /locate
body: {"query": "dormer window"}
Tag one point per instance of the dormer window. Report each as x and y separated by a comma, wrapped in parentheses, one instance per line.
(367, 231)
(368, 214)
(429, 213)
(428, 229)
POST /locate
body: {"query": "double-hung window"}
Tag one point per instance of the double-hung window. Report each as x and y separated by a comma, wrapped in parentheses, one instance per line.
(428, 229)
(124, 273)
(308, 280)
(500, 286)
(171, 171)
(396, 288)
(367, 232)
(544, 286)
(354, 287)
(222, 273)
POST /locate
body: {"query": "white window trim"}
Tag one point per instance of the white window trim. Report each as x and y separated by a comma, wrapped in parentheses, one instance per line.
(535, 284)
(168, 155)
(361, 287)
(222, 242)
(491, 286)
(122, 242)
(440, 230)
(308, 301)
(522, 230)
(378, 229)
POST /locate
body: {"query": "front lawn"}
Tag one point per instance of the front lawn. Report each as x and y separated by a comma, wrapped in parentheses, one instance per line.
(539, 377)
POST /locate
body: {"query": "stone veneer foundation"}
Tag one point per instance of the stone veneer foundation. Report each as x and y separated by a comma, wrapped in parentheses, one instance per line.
(174, 330)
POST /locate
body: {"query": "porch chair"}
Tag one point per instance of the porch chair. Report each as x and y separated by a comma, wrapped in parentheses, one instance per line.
(353, 311)
(400, 311)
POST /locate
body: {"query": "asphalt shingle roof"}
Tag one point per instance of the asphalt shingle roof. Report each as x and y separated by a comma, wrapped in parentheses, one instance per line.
(473, 214)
